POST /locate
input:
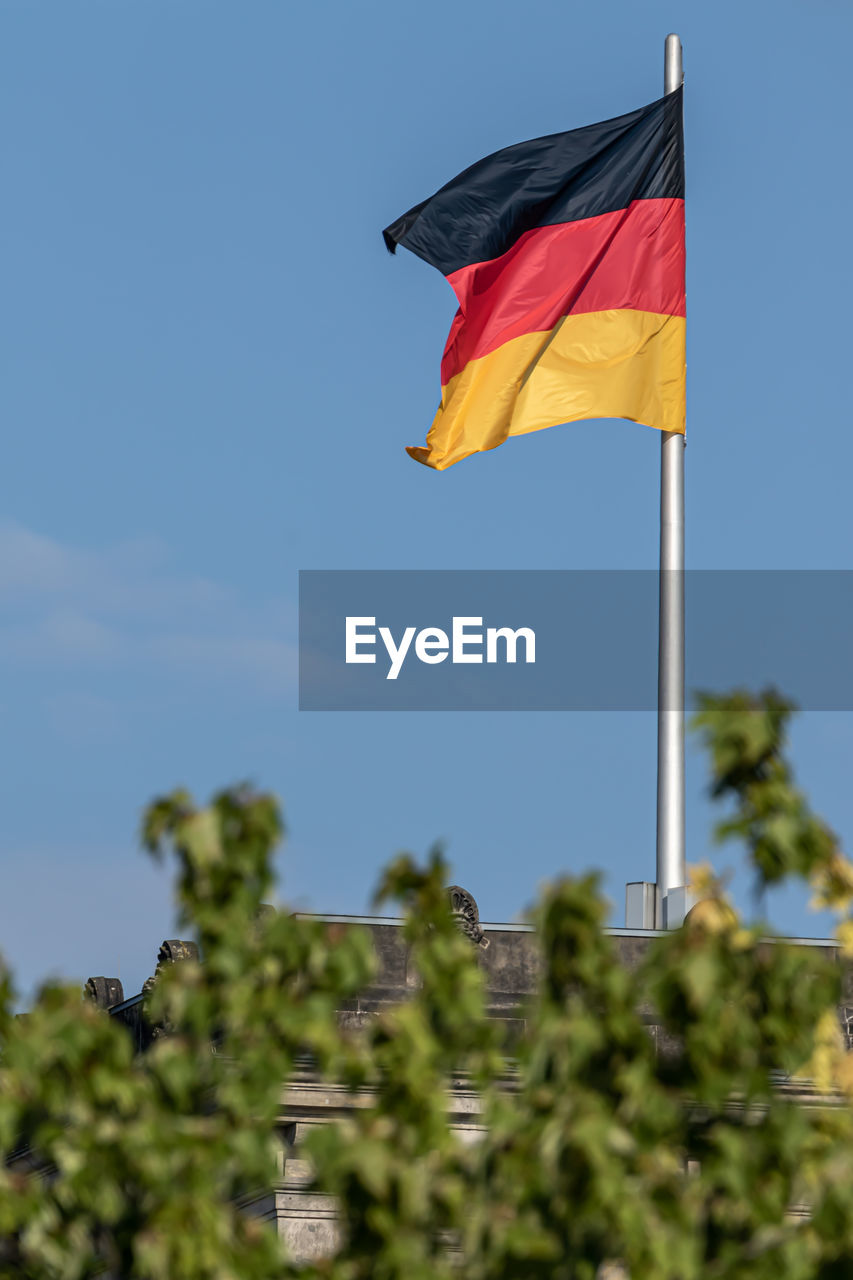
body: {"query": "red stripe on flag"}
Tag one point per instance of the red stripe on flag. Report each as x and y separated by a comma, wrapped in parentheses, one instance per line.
(632, 259)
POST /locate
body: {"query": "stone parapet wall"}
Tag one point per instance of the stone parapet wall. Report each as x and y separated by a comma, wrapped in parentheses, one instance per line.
(509, 957)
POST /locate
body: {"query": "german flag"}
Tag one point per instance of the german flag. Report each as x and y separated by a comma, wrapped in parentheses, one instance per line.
(566, 255)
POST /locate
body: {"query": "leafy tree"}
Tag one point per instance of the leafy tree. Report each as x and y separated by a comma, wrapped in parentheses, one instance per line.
(696, 1152)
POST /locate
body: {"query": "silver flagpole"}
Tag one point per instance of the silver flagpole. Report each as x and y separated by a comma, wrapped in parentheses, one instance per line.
(671, 863)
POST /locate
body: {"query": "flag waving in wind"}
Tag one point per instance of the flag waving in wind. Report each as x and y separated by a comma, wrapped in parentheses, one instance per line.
(566, 255)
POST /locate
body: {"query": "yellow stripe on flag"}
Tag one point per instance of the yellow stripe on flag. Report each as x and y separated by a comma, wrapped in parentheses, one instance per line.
(601, 364)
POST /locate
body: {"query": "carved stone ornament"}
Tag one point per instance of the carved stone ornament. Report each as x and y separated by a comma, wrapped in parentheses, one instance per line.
(465, 913)
(104, 992)
(174, 949)
(171, 951)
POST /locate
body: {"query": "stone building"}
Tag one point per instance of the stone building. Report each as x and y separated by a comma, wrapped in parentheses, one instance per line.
(509, 957)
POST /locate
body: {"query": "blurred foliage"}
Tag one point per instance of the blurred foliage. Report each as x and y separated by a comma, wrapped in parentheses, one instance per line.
(686, 1118)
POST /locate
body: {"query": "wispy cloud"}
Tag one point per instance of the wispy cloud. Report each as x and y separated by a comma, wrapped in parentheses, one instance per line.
(126, 607)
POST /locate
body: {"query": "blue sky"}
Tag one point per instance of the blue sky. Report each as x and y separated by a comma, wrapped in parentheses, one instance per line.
(211, 367)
